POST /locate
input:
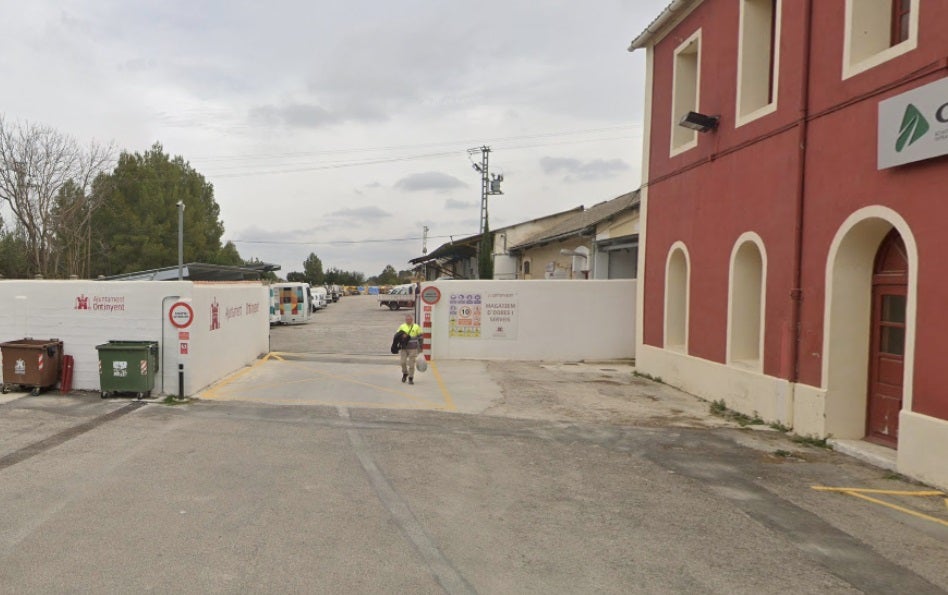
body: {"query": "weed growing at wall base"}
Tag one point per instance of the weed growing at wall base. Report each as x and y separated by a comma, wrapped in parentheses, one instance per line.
(719, 408)
(813, 441)
(173, 400)
(638, 374)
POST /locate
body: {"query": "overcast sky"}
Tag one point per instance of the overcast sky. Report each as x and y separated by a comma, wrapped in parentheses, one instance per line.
(342, 128)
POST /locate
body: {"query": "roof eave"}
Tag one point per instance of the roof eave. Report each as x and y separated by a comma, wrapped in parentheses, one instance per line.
(671, 12)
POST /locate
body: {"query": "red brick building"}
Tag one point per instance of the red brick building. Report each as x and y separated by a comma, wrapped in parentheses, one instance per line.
(795, 261)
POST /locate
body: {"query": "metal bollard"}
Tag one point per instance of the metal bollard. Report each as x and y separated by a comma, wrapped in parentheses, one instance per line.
(181, 381)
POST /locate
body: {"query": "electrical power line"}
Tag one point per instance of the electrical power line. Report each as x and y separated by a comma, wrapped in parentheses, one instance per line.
(463, 142)
(335, 242)
(234, 169)
(345, 164)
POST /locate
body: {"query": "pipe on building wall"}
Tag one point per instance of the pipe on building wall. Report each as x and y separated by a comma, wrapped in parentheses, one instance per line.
(796, 292)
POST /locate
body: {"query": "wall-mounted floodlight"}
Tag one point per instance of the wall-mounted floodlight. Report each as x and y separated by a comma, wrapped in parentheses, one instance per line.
(699, 122)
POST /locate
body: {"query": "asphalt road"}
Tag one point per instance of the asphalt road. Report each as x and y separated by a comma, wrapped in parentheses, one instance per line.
(568, 479)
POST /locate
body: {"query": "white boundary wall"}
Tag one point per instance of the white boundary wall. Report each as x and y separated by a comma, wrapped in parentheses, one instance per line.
(84, 314)
(532, 320)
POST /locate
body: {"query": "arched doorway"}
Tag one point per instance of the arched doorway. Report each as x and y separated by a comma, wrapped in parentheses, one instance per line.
(887, 345)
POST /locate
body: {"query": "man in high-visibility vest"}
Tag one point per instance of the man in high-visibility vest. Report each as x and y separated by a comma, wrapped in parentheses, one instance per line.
(410, 347)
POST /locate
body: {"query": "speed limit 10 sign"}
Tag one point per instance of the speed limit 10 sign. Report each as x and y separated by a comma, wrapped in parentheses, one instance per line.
(181, 314)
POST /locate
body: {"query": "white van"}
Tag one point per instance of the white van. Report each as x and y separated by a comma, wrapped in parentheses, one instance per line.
(275, 317)
(320, 297)
(295, 302)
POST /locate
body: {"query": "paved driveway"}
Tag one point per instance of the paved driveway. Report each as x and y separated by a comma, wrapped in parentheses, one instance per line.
(342, 358)
(299, 475)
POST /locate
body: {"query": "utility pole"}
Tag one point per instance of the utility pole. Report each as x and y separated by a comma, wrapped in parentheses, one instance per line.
(490, 185)
(424, 248)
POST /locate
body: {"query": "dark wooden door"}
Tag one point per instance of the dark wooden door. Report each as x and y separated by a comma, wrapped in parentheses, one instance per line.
(887, 347)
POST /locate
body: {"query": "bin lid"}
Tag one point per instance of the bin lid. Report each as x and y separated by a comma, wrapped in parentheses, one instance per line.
(30, 343)
(116, 345)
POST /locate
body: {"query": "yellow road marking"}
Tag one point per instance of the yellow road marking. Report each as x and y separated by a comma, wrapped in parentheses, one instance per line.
(444, 389)
(900, 509)
(385, 389)
(861, 493)
(448, 401)
(255, 388)
(353, 404)
(889, 492)
(212, 391)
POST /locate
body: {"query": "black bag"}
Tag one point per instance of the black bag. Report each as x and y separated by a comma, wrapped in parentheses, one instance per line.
(399, 340)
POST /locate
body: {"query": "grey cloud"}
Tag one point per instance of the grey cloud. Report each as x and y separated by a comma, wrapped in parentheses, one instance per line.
(361, 214)
(551, 165)
(431, 180)
(258, 235)
(293, 115)
(574, 169)
(452, 204)
(136, 65)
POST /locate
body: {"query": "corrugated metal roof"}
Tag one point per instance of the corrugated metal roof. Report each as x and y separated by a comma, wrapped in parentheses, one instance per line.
(583, 222)
(467, 247)
(199, 271)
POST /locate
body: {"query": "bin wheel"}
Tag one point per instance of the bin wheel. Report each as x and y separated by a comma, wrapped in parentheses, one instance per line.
(105, 394)
(140, 395)
(5, 389)
(36, 391)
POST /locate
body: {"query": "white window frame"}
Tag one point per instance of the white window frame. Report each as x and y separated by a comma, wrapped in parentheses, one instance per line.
(685, 47)
(853, 66)
(740, 117)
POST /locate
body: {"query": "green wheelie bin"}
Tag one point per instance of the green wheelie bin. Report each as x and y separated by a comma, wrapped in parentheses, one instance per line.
(127, 367)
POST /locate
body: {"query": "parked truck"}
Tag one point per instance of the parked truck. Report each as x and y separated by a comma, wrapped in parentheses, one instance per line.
(400, 296)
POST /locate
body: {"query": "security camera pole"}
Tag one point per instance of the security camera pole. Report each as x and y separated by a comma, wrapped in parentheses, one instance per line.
(490, 185)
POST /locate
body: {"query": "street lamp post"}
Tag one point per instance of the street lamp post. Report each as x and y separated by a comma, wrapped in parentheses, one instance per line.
(180, 240)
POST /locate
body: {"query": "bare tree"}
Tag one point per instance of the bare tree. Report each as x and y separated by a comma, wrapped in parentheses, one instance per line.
(45, 178)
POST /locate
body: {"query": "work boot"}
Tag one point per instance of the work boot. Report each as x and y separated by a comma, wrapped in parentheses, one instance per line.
(404, 377)
(411, 380)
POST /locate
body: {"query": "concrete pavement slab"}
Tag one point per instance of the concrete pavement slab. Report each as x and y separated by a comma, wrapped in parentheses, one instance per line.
(358, 381)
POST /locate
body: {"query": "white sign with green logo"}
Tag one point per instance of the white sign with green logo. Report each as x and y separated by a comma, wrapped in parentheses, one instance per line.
(914, 125)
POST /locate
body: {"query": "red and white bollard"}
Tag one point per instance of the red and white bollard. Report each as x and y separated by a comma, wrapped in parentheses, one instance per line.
(426, 333)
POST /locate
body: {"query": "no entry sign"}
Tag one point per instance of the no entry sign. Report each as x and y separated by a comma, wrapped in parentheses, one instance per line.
(430, 295)
(181, 315)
